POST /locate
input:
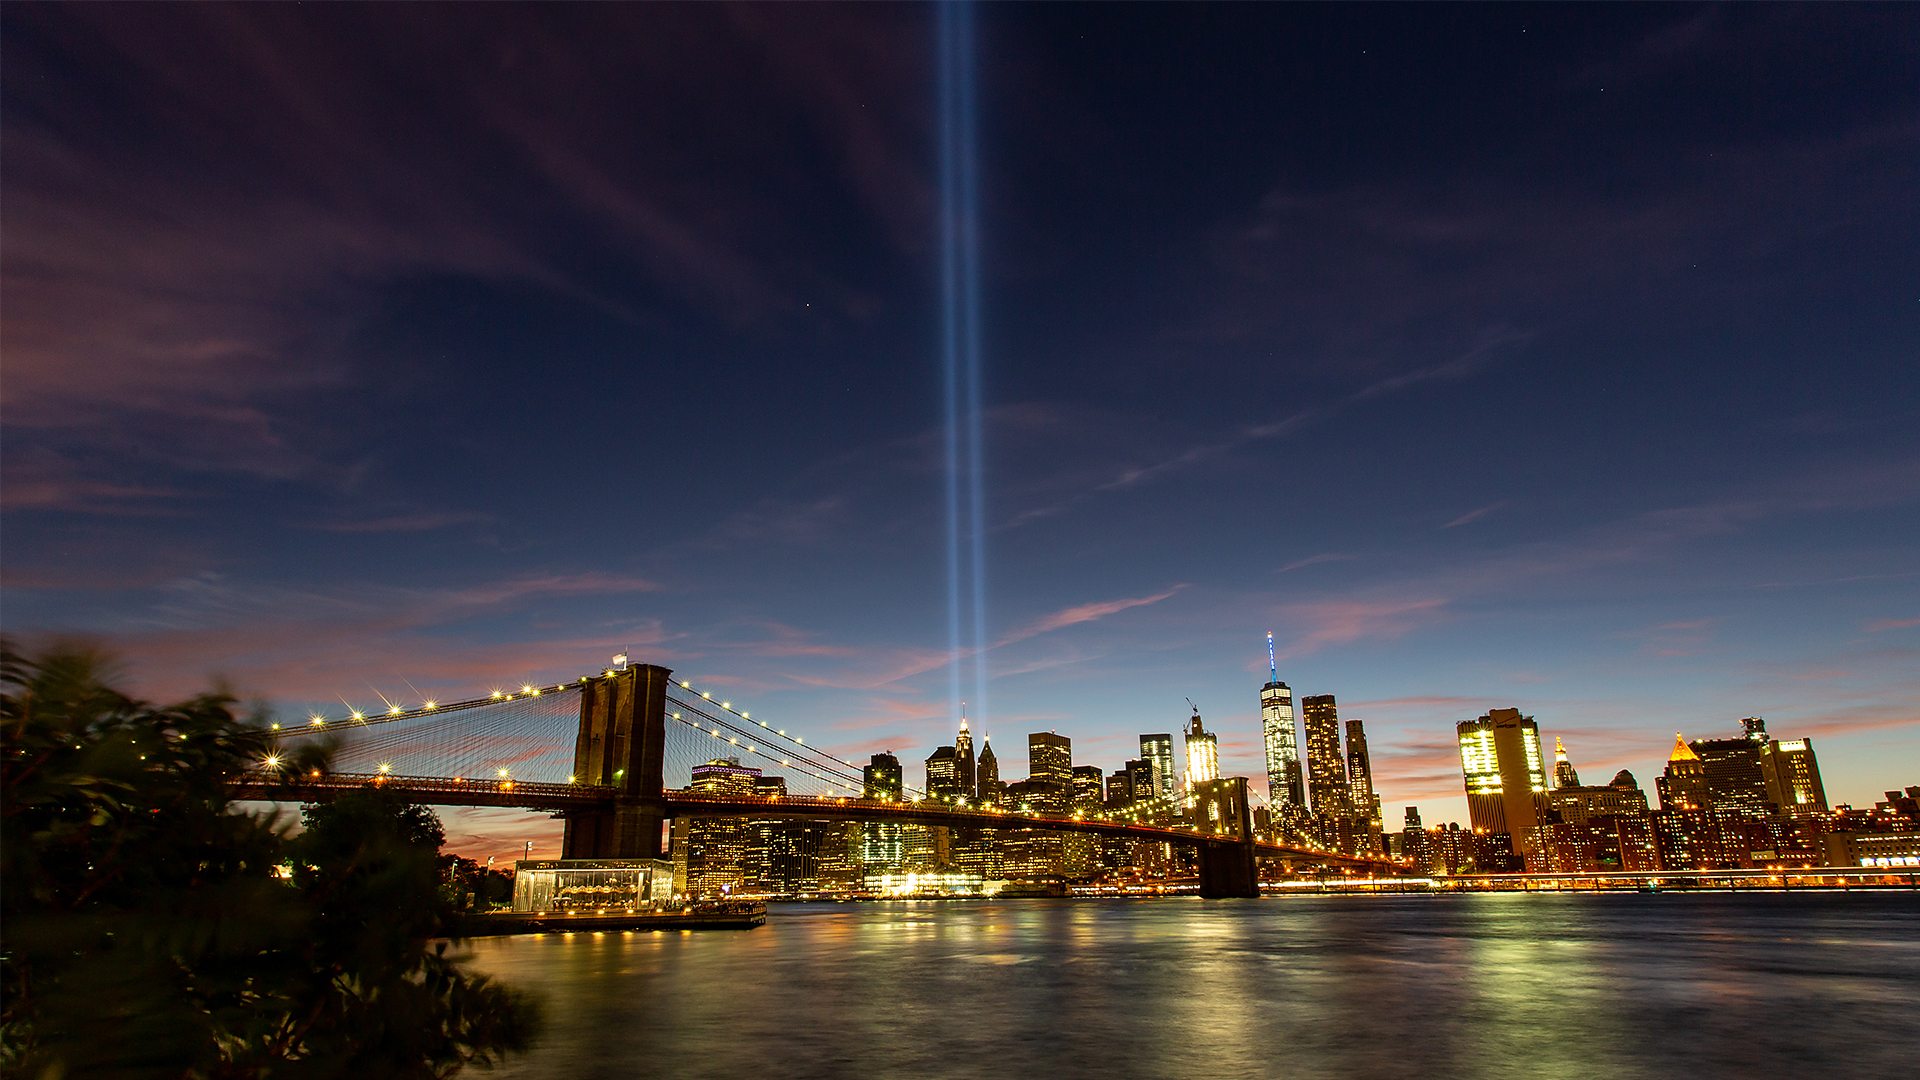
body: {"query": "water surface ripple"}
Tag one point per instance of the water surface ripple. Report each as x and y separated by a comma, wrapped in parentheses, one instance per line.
(1406, 986)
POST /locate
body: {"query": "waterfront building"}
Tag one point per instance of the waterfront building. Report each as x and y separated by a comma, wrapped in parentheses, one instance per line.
(1157, 752)
(1285, 791)
(711, 853)
(882, 843)
(1505, 774)
(1326, 768)
(1416, 845)
(1081, 851)
(1203, 755)
(1119, 788)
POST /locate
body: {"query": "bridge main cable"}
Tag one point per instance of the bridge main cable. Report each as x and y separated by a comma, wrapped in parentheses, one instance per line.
(821, 757)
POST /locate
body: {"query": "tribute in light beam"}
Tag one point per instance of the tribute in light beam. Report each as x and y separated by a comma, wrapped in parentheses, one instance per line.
(960, 353)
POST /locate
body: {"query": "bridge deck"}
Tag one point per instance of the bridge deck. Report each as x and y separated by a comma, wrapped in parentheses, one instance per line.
(537, 796)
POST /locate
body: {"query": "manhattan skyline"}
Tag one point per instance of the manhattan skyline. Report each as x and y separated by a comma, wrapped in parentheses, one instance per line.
(1559, 360)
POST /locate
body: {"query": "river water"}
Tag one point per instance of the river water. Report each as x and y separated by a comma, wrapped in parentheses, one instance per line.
(1503, 985)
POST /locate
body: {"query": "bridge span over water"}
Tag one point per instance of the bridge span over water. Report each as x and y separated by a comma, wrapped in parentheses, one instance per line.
(616, 735)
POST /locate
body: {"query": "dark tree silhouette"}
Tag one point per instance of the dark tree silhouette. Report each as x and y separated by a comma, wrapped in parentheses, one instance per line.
(154, 928)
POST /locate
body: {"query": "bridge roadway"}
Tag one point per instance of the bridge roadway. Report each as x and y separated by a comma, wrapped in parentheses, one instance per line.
(445, 791)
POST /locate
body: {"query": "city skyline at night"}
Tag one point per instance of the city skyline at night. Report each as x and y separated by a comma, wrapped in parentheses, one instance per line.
(1492, 358)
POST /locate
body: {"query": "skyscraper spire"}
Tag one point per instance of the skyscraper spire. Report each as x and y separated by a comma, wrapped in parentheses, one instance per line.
(1563, 774)
(1273, 665)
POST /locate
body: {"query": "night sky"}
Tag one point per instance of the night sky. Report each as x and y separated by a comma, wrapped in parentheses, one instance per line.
(1559, 358)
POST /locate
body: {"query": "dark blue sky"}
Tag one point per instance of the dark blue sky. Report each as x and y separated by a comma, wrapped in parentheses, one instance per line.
(1560, 357)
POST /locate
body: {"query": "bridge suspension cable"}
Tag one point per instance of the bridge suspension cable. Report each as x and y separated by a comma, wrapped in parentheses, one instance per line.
(706, 703)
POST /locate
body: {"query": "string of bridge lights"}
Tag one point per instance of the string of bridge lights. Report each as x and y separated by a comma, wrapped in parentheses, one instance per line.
(317, 722)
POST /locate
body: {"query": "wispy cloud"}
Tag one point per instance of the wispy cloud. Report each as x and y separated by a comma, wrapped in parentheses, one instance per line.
(1084, 613)
(1879, 625)
(1474, 515)
(1315, 560)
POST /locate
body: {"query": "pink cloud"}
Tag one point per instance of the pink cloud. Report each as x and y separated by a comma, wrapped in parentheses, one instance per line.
(1879, 625)
(1474, 515)
(1342, 622)
(1084, 613)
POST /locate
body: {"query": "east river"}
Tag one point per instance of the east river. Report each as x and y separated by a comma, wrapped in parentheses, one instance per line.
(1503, 985)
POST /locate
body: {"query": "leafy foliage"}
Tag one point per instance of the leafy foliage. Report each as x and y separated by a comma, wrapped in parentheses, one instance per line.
(153, 929)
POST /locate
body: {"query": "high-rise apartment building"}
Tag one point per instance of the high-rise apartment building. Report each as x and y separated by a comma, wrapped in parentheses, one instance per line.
(1119, 788)
(1203, 754)
(1326, 770)
(1505, 773)
(1360, 793)
(1157, 752)
(1285, 790)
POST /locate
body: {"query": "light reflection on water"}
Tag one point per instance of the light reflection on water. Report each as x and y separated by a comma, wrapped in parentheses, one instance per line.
(1480, 986)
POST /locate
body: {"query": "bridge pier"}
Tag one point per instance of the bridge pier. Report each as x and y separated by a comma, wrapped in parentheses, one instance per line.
(622, 745)
(1227, 866)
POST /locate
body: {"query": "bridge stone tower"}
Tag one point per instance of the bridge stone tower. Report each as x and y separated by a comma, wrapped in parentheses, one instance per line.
(622, 743)
(1227, 865)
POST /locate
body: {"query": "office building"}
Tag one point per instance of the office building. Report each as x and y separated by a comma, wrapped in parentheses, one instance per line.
(1157, 752)
(966, 769)
(1792, 777)
(1684, 784)
(943, 774)
(989, 790)
(1735, 777)
(1563, 774)
(1050, 762)
(1506, 777)
(1285, 789)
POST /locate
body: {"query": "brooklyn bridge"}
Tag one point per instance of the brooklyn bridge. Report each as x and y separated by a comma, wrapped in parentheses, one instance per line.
(614, 753)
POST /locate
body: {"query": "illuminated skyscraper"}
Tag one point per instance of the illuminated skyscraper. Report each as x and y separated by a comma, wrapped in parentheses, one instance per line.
(1735, 779)
(989, 789)
(965, 769)
(1793, 778)
(1157, 752)
(1505, 774)
(1684, 785)
(1360, 793)
(1563, 774)
(1203, 754)
(1326, 771)
(943, 774)
(882, 777)
(712, 854)
(1050, 762)
(1284, 790)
